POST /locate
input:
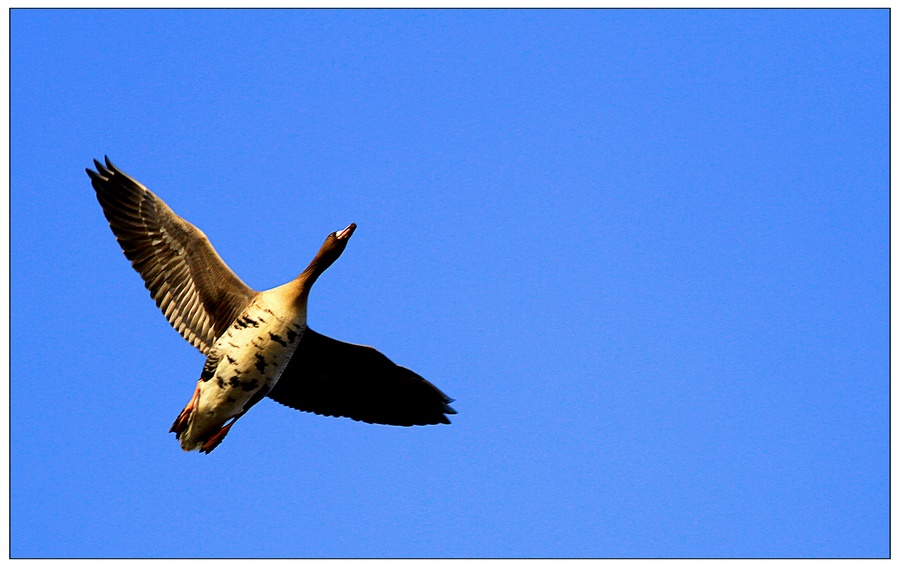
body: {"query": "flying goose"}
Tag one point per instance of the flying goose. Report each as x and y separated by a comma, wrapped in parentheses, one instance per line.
(257, 344)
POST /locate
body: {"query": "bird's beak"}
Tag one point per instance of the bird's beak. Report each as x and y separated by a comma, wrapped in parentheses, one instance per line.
(347, 232)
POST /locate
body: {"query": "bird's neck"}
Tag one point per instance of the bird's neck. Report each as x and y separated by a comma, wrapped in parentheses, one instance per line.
(296, 291)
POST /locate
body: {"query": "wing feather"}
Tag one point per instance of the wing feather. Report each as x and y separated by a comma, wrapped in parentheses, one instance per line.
(334, 378)
(196, 291)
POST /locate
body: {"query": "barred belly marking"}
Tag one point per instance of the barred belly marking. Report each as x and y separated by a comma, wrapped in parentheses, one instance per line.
(244, 364)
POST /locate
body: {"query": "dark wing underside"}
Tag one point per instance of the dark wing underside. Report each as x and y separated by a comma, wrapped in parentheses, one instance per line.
(338, 379)
(196, 291)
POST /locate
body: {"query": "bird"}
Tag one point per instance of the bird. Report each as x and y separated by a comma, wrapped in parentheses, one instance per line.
(257, 344)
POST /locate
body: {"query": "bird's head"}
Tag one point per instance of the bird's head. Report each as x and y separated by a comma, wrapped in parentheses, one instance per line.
(330, 251)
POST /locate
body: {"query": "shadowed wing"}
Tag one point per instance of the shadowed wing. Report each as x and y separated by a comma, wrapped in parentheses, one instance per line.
(196, 291)
(338, 379)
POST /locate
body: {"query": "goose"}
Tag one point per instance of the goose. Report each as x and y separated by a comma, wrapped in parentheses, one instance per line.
(257, 344)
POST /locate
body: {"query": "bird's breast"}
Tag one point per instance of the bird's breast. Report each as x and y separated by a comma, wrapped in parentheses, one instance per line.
(247, 360)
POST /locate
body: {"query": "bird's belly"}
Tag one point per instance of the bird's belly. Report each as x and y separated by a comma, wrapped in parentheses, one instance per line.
(245, 363)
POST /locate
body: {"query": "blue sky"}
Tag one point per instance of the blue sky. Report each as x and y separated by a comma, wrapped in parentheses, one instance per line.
(646, 251)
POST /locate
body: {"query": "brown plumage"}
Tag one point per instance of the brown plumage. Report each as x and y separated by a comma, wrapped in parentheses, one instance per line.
(257, 343)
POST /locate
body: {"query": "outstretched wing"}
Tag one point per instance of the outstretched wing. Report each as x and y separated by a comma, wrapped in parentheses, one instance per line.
(198, 293)
(338, 379)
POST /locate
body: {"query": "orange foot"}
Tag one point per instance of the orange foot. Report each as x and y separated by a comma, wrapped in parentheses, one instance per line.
(217, 437)
(181, 421)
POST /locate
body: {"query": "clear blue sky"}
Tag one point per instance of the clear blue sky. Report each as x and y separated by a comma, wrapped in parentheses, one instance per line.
(646, 251)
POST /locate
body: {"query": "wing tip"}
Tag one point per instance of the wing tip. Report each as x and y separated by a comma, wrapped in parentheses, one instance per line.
(110, 165)
(101, 175)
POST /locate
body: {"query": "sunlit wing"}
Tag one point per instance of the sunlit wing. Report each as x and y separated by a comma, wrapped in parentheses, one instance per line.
(196, 291)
